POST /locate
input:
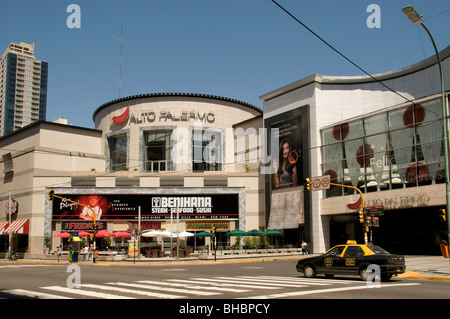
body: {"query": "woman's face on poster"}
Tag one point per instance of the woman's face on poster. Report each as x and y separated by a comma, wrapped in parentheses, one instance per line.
(286, 150)
(93, 201)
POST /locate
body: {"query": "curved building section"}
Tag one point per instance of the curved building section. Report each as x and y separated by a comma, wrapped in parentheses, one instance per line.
(170, 132)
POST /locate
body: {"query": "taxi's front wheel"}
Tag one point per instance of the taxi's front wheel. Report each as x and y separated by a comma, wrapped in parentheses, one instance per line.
(309, 272)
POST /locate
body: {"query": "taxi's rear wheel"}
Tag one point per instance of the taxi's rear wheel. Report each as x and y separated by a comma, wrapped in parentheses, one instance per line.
(309, 271)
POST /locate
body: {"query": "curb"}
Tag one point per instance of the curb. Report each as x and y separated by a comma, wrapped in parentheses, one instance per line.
(417, 275)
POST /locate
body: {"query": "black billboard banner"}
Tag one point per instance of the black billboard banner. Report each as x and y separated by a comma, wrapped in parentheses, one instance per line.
(153, 207)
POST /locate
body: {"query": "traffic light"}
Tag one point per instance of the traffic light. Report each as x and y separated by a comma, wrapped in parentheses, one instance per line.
(50, 194)
(361, 217)
(213, 229)
(442, 215)
(308, 183)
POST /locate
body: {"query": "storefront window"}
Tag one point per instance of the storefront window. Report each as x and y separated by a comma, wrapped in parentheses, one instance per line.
(394, 149)
(118, 152)
(158, 147)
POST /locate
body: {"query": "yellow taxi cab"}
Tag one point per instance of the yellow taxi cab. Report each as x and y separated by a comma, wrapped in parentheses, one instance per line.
(353, 259)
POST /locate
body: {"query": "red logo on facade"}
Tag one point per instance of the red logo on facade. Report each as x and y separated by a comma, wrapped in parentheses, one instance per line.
(121, 118)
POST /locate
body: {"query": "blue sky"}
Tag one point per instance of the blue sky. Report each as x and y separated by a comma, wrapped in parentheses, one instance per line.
(240, 49)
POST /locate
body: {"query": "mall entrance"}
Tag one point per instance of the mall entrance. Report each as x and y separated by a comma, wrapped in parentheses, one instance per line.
(415, 231)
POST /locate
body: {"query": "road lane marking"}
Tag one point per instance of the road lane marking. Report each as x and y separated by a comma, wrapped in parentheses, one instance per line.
(21, 266)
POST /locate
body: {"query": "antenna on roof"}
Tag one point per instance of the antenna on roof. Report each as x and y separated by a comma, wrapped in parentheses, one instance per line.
(121, 38)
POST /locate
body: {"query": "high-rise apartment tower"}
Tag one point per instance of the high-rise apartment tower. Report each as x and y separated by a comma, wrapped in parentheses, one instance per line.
(23, 88)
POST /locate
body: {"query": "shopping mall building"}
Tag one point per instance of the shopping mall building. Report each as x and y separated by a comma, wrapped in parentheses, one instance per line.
(227, 164)
(384, 137)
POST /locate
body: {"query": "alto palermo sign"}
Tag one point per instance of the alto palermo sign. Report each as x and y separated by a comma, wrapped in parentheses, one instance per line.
(151, 116)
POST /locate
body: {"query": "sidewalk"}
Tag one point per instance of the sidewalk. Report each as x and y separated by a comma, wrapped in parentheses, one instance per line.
(427, 267)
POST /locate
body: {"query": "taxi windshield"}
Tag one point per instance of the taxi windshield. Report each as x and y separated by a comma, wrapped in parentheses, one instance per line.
(377, 249)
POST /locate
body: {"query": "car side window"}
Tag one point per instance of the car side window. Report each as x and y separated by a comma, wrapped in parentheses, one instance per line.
(354, 251)
(337, 251)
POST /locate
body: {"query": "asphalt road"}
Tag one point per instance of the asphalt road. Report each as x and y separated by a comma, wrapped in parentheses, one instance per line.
(255, 282)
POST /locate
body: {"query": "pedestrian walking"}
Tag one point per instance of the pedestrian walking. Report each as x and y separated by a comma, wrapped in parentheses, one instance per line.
(85, 253)
(59, 252)
(304, 248)
(91, 253)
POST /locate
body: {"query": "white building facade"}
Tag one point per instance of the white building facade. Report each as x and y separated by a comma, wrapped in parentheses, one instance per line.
(147, 156)
(384, 139)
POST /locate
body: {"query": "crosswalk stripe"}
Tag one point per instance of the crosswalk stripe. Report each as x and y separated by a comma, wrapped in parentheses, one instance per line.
(131, 291)
(306, 281)
(87, 293)
(166, 289)
(312, 282)
(33, 294)
(237, 283)
(221, 284)
(194, 286)
(254, 281)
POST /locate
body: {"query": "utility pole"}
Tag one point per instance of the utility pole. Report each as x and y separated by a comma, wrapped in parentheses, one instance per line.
(121, 38)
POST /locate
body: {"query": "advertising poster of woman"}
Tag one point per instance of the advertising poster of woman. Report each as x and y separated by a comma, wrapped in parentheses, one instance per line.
(286, 206)
(287, 165)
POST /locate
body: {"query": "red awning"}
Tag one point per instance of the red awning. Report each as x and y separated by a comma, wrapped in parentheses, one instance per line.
(3, 225)
(19, 226)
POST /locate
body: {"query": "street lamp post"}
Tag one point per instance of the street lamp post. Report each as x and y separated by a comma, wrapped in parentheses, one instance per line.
(415, 18)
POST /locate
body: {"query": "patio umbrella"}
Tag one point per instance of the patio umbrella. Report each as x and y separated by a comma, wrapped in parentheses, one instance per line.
(62, 235)
(103, 233)
(236, 232)
(158, 233)
(185, 234)
(83, 234)
(273, 232)
(255, 232)
(122, 234)
(204, 234)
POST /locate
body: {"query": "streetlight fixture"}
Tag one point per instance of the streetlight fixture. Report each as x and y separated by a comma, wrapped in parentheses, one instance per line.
(415, 18)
